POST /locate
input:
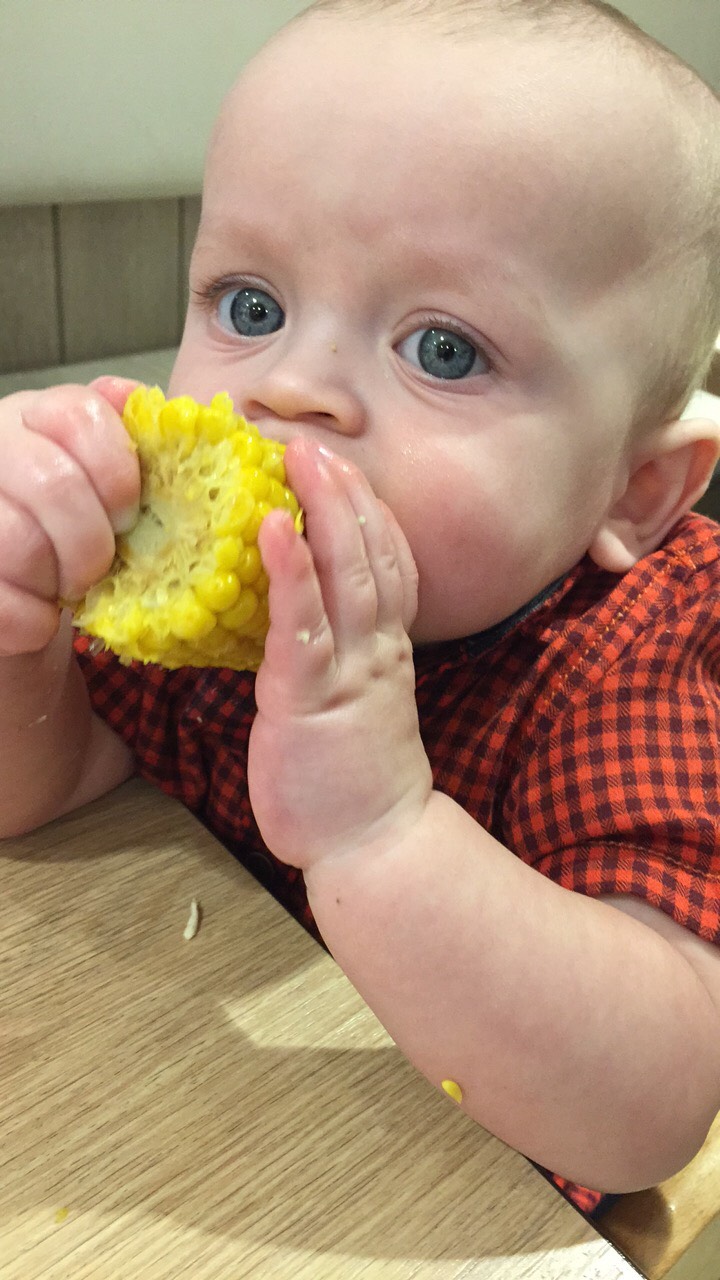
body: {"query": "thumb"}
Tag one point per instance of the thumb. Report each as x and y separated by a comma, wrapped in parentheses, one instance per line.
(114, 390)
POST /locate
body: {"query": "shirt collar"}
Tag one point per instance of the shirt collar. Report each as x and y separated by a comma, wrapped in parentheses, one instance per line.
(481, 641)
(431, 658)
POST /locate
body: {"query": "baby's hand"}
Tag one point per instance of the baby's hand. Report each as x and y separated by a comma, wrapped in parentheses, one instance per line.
(69, 478)
(336, 760)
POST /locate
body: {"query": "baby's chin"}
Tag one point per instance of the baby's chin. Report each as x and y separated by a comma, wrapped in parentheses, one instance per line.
(426, 632)
(446, 620)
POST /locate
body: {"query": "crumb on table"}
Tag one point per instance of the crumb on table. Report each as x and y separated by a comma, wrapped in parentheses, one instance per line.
(193, 923)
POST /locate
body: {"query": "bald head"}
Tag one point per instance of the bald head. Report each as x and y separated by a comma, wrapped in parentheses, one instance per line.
(642, 132)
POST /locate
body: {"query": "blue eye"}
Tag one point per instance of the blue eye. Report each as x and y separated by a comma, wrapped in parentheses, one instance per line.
(443, 354)
(250, 312)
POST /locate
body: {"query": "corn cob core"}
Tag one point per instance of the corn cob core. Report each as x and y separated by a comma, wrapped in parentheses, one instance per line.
(187, 587)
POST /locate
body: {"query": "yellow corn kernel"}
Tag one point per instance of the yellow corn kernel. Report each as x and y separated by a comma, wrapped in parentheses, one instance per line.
(248, 565)
(236, 618)
(272, 463)
(228, 552)
(218, 592)
(179, 416)
(188, 618)
(249, 450)
(452, 1088)
(252, 528)
(261, 585)
(239, 512)
(191, 561)
(212, 419)
(255, 480)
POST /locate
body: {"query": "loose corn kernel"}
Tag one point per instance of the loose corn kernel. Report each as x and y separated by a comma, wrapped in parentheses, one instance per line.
(452, 1088)
(191, 562)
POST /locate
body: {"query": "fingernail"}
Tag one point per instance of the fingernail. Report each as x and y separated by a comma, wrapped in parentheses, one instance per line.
(335, 458)
(111, 382)
(113, 389)
(124, 521)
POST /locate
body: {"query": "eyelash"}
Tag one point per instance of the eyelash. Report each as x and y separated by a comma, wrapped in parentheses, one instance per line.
(437, 321)
(208, 292)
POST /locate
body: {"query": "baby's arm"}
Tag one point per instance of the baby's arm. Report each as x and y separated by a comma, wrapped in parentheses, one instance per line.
(68, 475)
(566, 1023)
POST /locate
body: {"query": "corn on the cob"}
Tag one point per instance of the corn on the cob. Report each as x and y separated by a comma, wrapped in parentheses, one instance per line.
(187, 586)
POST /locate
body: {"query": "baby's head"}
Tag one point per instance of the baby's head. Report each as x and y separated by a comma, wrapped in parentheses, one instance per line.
(472, 245)
(639, 134)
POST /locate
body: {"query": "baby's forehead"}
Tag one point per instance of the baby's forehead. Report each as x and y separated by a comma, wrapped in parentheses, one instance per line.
(497, 82)
(557, 138)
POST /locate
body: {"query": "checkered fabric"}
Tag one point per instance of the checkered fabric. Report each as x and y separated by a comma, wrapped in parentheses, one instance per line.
(583, 734)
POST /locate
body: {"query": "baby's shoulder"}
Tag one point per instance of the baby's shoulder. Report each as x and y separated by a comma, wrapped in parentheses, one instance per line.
(657, 622)
(681, 580)
(663, 614)
(695, 542)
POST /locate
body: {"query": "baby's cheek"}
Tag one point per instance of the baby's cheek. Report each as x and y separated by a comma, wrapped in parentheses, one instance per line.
(455, 549)
(476, 553)
(195, 372)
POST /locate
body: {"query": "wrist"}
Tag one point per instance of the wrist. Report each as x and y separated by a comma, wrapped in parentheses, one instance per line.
(365, 852)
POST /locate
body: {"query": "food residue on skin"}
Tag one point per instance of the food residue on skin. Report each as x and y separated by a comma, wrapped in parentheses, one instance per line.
(303, 636)
(362, 520)
(193, 923)
(453, 1090)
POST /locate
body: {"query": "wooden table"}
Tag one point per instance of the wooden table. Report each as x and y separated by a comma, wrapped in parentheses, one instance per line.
(227, 1106)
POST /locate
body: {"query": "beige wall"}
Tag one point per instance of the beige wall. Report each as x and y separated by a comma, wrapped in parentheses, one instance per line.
(115, 98)
(690, 27)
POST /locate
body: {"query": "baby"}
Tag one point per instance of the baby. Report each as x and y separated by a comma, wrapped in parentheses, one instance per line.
(462, 257)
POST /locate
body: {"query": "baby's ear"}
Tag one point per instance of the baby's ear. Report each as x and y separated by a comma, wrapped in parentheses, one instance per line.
(669, 471)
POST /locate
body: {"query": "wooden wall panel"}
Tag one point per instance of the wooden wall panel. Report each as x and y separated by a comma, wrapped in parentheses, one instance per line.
(29, 321)
(119, 276)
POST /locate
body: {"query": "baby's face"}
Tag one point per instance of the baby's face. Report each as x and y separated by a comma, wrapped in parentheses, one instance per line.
(394, 257)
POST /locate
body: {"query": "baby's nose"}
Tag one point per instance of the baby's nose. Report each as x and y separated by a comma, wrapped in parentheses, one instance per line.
(296, 392)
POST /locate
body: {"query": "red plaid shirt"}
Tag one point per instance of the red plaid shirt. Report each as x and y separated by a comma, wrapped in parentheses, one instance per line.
(582, 733)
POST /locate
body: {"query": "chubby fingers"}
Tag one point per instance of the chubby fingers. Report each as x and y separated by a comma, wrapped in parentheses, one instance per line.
(114, 390)
(69, 477)
(85, 425)
(406, 566)
(27, 624)
(28, 583)
(366, 582)
(300, 643)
